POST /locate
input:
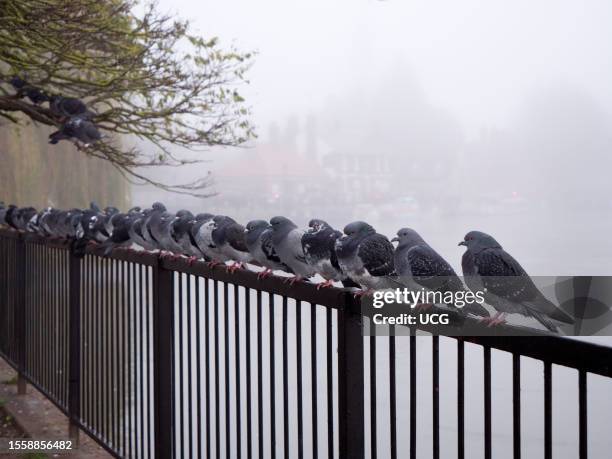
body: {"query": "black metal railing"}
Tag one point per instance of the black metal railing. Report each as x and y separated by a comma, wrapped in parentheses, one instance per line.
(156, 357)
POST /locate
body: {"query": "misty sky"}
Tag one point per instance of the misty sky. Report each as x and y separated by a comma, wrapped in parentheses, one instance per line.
(478, 60)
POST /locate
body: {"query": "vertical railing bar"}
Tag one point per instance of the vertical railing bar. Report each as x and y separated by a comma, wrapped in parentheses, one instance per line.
(393, 395)
(373, 393)
(351, 384)
(285, 381)
(115, 354)
(189, 372)
(141, 357)
(313, 370)
(217, 376)
(272, 381)
(180, 357)
(516, 405)
(150, 418)
(582, 415)
(330, 384)
(238, 385)
(207, 363)
(132, 446)
(298, 351)
(74, 347)
(19, 316)
(99, 288)
(460, 399)
(249, 445)
(226, 342)
(163, 350)
(413, 395)
(125, 273)
(487, 402)
(435, 395)
(107, 372)
(198, 365)
(547, 410)
(260, 445)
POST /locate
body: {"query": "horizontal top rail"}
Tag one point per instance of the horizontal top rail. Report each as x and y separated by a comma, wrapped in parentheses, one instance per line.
(562, 351)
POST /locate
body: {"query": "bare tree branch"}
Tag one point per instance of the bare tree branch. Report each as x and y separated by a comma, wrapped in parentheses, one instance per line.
(144, 75)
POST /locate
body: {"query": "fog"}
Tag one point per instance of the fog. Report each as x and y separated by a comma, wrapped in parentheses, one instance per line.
(442, 116)
(445, 116)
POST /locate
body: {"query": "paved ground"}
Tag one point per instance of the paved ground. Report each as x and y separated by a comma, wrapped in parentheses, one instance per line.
(38, 419)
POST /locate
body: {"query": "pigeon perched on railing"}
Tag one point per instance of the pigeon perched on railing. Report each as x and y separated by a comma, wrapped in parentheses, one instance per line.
(366, 257)
(228, 237)
(287, 242)
(488, 268)
(419, 266)
(204, 241)
(120, 236)
(319, 244)
(258, 238)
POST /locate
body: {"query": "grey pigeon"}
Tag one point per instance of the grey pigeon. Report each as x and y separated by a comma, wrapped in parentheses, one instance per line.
(202, 234)
(258, 238)
(228, 236)
(366, 257)
(69, 107)
(120, 236)
(24, 89)
(419, 266)
(488, 268)
(76, 128)
(319, 244)
(287, 242)
(137, 235)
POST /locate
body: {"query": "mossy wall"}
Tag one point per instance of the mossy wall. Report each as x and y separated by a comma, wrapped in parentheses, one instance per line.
(33, 172)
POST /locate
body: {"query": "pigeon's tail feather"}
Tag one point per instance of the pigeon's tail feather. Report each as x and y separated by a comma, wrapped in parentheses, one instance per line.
(544, 320)
(542, 305)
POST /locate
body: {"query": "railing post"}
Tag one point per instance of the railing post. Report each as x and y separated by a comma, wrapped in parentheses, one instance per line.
(74, 346)
(163, 338)
(350, 381)
(19, 314)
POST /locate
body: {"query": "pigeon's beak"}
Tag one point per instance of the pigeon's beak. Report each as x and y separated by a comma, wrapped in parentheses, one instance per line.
(462, 243)
(395, 239)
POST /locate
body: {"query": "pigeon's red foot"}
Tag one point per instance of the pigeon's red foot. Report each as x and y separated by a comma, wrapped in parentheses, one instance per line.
(362, 293)
(265, 273)
(213, 263)
(424, 306)
(293, 280)
(191, 260)
(234, 267)
(497, 319)
(326, 284)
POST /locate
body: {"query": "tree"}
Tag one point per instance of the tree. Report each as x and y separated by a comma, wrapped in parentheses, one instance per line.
(142, 73)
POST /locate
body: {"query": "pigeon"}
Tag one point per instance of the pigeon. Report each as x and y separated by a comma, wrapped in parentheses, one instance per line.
(366, 257)
(202, 234)
(120, 236)
(420, 267)
(136, 232)
(76, 128)
(69, 107)
(18, 218)
(24, 89)
(163, 232)
(228, 237)
(488, 268)
(319, 244)
(287, 242)
(258, 238)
